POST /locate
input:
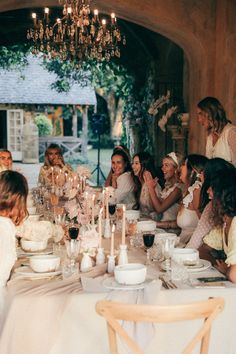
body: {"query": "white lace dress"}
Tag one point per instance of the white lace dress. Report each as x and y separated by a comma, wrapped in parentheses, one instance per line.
(187, 219)
(145, 202)
(171, 212)
(7, 255)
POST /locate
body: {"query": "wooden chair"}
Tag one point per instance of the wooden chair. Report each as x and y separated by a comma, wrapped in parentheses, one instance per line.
(113, 312)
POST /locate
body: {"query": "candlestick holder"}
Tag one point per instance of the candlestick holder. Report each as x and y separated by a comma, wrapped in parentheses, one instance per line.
(123, 255)
(100, 257)
(107, 229)
(111, 263)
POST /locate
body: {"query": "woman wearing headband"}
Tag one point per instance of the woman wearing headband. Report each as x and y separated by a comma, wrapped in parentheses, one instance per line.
(167, 203)
(221, 139)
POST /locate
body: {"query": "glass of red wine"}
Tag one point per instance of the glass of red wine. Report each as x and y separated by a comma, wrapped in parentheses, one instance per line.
(73, 232)
(148, 240)
(112, 209)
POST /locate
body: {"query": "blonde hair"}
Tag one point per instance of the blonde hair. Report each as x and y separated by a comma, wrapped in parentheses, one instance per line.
(13, 192)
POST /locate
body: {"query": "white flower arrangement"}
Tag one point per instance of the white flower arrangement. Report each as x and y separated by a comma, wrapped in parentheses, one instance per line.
(164, 119)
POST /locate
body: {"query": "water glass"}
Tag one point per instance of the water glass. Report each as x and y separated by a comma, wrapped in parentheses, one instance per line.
(69, 268)
(131, 227)
(178, 271)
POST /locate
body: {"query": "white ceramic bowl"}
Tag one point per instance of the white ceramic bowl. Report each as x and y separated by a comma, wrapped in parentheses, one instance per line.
(44, 263)
(31, 210)
(33, 246)
(188, 256)
(132, 214)
(146, 225)
(34, 217)
(130, 274)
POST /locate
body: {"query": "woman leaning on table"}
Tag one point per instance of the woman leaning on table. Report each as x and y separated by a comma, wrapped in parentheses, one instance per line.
(221, 139)
(223, 236)
(13, 195)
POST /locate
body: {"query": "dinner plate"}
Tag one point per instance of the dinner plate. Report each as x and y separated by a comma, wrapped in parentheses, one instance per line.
(202, 265)
(22, 253)
(26, 271)
(199, 267)
(111, 284)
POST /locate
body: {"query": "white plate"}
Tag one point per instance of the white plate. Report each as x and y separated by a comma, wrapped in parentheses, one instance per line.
(111, 284)
(26, 271)
(21, 253)
(202, 265)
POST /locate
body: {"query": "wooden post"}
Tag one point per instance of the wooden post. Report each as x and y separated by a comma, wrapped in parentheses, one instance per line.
(85, 132)
(74, 122)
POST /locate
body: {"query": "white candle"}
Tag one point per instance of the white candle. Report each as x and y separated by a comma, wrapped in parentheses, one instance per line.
(123, 226)
(93, 199)
(112, 240)
(100, 227)
(107, 207)
(52, 176)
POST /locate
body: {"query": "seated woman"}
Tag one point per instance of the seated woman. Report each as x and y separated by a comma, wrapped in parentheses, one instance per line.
(223, 236)
(54, 166)
(122, 180)
(142, 163)
(205, 224)
(118, 147)
(5, 160)
(167, 203)
(13, 192)
(188, 214)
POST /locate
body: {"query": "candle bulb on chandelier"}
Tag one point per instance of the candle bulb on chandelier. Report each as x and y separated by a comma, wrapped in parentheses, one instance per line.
(113, 17)
(34, 17)
(46, 12)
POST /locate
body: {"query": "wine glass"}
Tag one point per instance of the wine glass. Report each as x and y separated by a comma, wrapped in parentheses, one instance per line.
(148, 240)
(73, 232)
(112, 209)
(168, 244)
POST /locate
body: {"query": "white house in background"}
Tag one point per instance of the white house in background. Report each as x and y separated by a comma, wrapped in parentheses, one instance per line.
(32, 86)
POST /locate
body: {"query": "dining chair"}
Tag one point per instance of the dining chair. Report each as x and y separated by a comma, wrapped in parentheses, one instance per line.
(114, 311)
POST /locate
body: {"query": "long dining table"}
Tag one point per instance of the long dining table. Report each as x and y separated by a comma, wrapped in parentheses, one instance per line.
(55, 316)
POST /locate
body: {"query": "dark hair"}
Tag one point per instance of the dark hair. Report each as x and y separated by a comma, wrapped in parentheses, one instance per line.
(147, 163)
(211, 170)
(52, 146)
(224, 195)
(123, 148)
(125, 157)
(195, 165)
(13, 192)
(216, 113)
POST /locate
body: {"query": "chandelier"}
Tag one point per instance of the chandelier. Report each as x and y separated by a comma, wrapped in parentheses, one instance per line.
(77, 36)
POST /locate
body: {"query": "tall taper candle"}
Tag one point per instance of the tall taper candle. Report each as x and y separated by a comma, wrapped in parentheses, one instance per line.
(100, 227)
(123, 226)
(112, 240)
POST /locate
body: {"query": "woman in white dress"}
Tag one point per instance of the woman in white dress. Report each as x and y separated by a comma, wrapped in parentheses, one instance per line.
(221, 139)
(13, 195)
(142, 163)
(168, 201)
(122, 180)
(188, 214)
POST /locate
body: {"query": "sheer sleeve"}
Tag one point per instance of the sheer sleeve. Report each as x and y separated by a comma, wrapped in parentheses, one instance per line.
(232, 144)
(231, 249)
(204, 226)
(124, 193)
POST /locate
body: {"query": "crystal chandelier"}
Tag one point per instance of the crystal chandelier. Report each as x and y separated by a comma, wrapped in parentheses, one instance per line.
(79, 35)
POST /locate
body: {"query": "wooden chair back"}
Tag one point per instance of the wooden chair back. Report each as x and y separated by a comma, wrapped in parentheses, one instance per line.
(113, 312)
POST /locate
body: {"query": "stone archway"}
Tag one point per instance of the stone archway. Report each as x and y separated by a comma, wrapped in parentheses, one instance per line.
(200, 28)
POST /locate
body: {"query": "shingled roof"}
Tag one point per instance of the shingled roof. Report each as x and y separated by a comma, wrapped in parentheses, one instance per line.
(32, 85)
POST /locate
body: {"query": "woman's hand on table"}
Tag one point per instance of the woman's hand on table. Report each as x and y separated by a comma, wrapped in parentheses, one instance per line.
(221, 266)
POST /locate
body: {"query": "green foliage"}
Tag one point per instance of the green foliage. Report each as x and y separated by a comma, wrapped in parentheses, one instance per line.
(44, 125)
(13, 57)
